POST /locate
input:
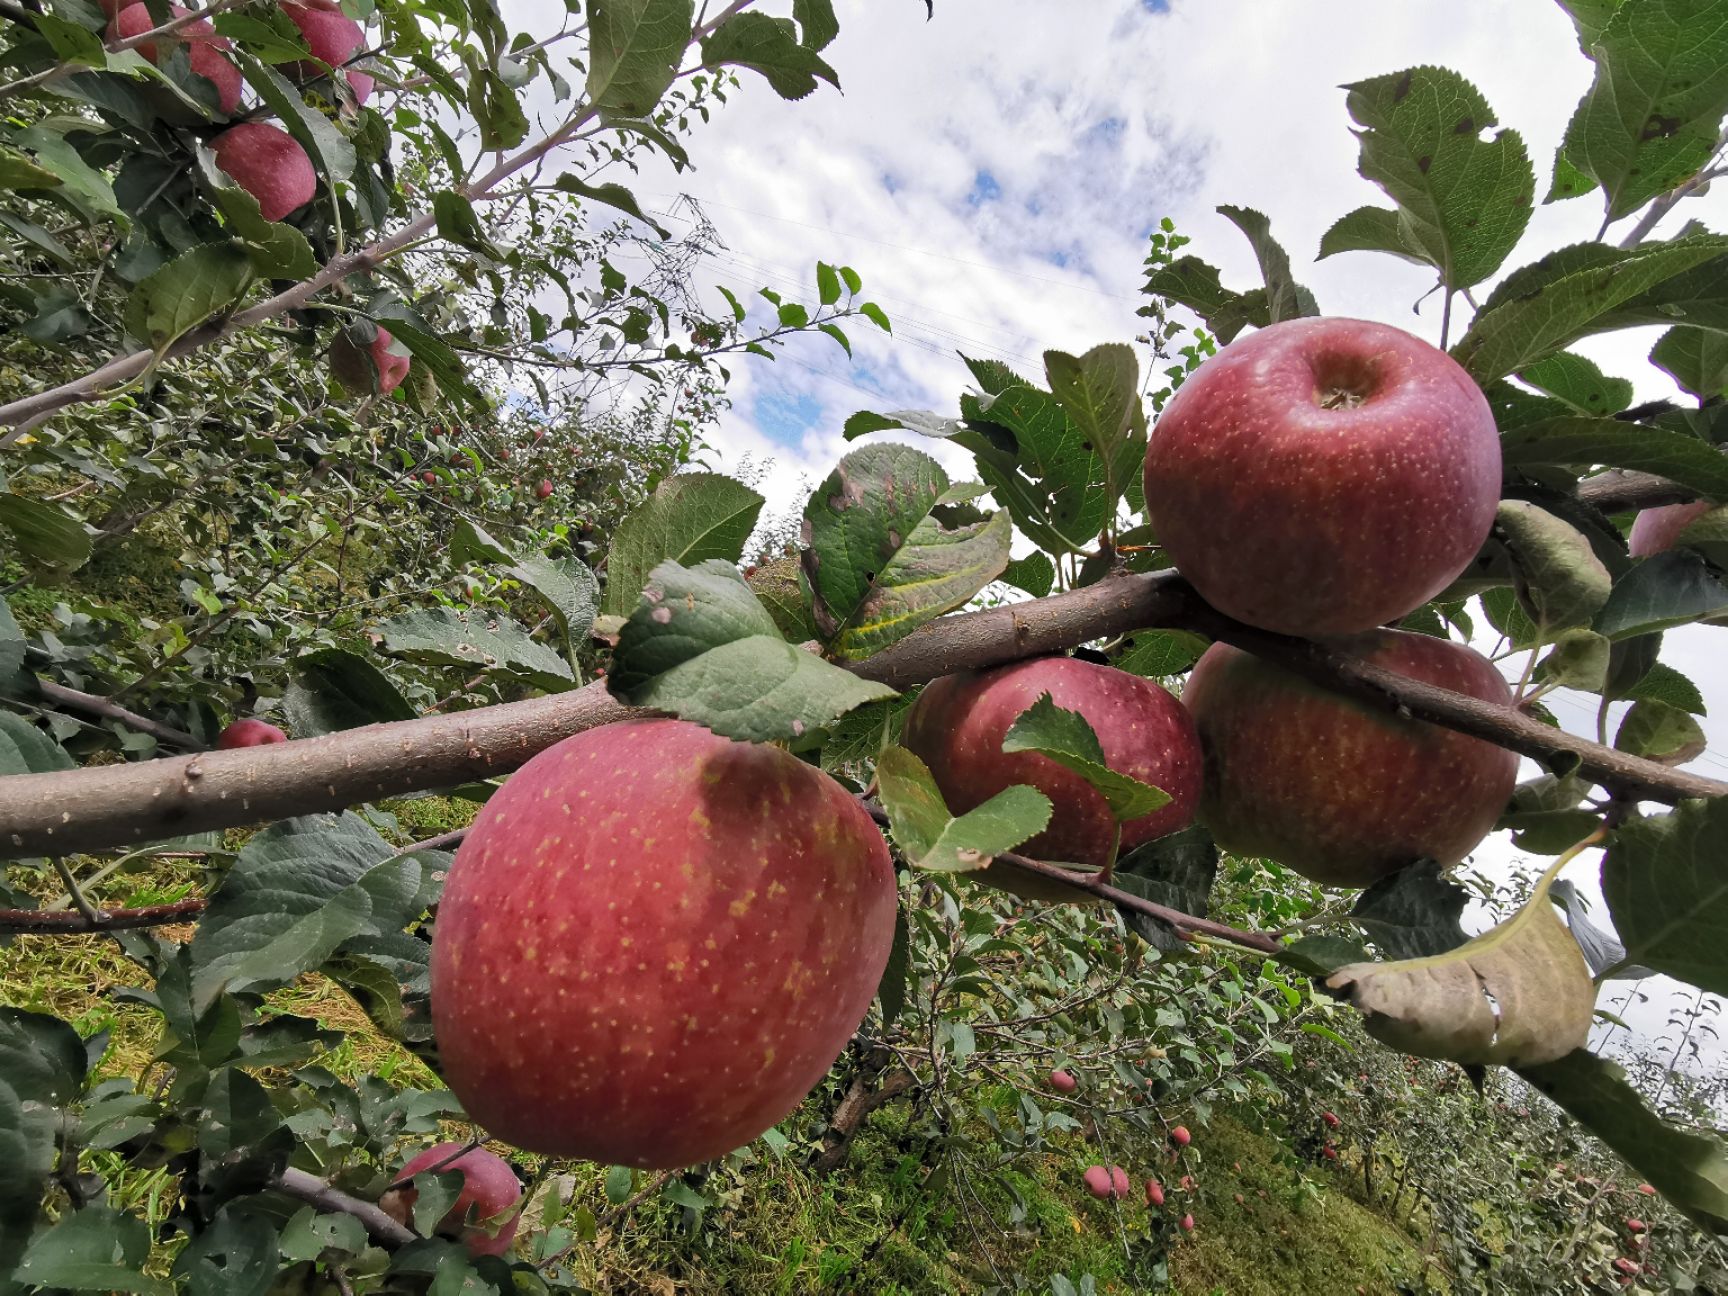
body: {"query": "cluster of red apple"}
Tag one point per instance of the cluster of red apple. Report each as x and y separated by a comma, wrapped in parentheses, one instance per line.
(1113, 1184)
(262, 158)
(654, 941)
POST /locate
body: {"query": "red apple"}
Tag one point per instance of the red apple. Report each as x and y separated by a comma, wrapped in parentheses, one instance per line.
(654, 942)
(489, 1188)
(1107, 1184)
(1655, 530)
(544, 489)
(1330, 1152)
(204, 53)
(1063, 1082)
(249, 732)
(1635, 1226)
(1647, 1189)
(1180, 1136)
(1340, 791)
(268, 163)
(1331, 1120)
(334, 39)
(1187, 1223)
(1626, 1266)
(1187, 1183)
(1324, 476)
(429, 477)
(356, 368)
(957, 725)
(1154, 1193)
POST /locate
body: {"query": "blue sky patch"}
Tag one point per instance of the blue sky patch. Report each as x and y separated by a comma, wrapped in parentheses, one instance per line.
(785, 417)
(985, 188)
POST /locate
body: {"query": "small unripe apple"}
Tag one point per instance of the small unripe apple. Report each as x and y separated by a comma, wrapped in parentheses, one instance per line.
(1063, 1082)
(429, 477)
(356, 368)
(1187, 1223)
(1340, 791)
(654, 942)
(1324, 476)
(1154, 1193)
(489, 1188)
(958, 723)
(333, 38)
(203, 52)
(544, 489)
(268, 163)
(249, 732)
(1180, 1136)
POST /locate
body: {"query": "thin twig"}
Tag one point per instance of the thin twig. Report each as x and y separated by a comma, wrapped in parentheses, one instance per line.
(333, 1201)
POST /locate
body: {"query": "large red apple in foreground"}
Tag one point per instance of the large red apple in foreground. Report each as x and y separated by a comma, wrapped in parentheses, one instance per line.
(1324, 476)
(1337, 790)
(653, 944)
(489, 1188)
(268, 163)
(958, 723)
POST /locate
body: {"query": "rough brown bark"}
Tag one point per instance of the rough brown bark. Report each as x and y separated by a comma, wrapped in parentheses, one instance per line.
(873, 1085)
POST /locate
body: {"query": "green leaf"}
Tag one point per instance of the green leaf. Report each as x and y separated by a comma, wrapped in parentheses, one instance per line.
(179, 296)
(634, 48)
(569, 588)
(237, 1254)
(309, 1234)
(96, 1249)
(876, 315)
(297, 893)
(768, 46)
(1651, 116)
(891, 992)
(1463, 201)
(1285, 298)
(1176, 871)
(1034, 573)
(1577, 381)
(890, 546)
(827, 284)
(690, 518)
(611, 195)
(1659, 732)
(19, 173)
(700, 646)
(331, 151)
(1064, 737)
(930, 838)
(1100, 394)
(1413, 913)
(1561, 583)
(1037, 463)
(27, 1156)
(1662, 683)
(1667, 590)
(1546, 817)
(1368, 229)
(25, 749)
(1614, 443)
(475, 641)
(1690, 1170)
(458, 223)
(1665, 878)
(12, 645)
(1158, 654)
(44, 533)
(1543, 307)
(817, 25)
(331, 689)
(1189, 281)
(1519, 994)
(1696, 358)
(44, 1057)
(1579, 661)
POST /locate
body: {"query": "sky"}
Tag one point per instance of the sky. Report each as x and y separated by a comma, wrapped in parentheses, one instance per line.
(993, 172)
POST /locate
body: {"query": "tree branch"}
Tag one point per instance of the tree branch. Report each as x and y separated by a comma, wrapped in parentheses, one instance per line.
(97, 808)
(1617, 490)
(315, 1192)
(70, 699)
(71, 922)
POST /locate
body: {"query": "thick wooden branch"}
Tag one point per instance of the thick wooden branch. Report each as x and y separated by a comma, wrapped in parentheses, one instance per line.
(97, 808)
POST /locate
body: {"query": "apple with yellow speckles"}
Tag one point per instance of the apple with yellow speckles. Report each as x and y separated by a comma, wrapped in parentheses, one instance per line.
(653, 944)
(1333, 788)
(957, 725)
(1324, 476)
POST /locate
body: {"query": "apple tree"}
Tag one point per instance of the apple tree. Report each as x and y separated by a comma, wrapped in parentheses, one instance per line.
(1263, 612)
